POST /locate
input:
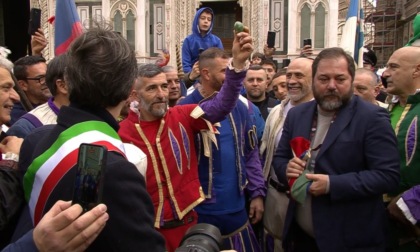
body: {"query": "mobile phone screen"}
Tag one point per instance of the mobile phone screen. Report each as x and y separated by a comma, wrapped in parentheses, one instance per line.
(34, 21)
(90, 175)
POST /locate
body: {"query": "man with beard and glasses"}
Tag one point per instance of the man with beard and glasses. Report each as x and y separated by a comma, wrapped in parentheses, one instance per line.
(30, 74)
(166, 135)
(298, 82)
(328, 154)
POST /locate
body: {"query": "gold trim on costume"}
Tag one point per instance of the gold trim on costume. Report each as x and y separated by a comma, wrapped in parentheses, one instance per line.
(408, 159)
(156, 171)
(403, 114)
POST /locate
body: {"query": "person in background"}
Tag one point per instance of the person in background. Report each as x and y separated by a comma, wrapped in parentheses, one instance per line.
(271, 68)
(200, 39)
(46, 113)
(256, 58)
(366, 86)
(255, 84)
(174, 85)
(279, 85)
(30, 73)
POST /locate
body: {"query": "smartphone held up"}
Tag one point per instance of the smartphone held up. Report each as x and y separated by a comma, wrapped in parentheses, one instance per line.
(88, 185)
(34, 21)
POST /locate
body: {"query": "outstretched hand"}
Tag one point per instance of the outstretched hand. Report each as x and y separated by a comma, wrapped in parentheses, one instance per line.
(242, 48)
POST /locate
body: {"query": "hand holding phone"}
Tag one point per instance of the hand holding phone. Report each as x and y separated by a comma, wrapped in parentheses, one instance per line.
(34, 21)
(89, 181)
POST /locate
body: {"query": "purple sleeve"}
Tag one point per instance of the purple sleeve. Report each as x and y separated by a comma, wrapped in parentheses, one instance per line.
(217, 107)
(412, 200)
(256, 185)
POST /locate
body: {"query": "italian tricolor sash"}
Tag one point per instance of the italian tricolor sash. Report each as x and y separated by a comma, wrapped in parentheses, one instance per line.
(46, 170)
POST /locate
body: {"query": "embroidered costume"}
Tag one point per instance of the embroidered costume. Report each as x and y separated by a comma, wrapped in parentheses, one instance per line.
(233, 162)
(172, 176)
(407, 131)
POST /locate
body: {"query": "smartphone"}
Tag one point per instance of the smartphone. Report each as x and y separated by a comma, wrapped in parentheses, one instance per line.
(88, 185)
(34, 21)
(271, 39)
(307, 41)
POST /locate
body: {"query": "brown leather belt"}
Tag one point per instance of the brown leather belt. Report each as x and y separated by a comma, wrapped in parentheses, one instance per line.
(177, 223)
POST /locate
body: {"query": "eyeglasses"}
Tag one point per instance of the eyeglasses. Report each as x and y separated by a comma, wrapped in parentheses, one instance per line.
(40, 79)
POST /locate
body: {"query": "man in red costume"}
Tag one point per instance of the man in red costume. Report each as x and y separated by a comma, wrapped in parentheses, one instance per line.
(167, 137)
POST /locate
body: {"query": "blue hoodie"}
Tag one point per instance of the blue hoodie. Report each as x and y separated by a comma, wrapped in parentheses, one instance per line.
(194, 42)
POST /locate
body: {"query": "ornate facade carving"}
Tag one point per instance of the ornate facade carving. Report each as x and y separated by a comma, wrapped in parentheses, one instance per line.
(179, 15)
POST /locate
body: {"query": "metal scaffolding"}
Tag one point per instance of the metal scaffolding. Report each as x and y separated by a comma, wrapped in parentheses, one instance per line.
(381, 23)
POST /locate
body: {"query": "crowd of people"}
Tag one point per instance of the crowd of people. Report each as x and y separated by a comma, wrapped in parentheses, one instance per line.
(312, 155)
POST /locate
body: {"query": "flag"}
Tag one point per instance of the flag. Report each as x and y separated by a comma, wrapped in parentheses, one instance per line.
(67, 25)
(352, 38)
(415, 40)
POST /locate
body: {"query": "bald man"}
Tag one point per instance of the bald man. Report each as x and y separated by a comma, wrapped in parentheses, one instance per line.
(298, 82)
(366, 86)
(403, 76)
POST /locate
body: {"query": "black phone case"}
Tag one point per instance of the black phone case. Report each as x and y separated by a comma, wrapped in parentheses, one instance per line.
(307, 41)
(271, 39)
(34, 21)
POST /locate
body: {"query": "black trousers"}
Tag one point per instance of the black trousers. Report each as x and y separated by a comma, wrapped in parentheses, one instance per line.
(299, 241)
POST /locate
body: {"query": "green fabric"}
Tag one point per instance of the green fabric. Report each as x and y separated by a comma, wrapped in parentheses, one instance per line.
(300, 188)
(416, 30)
(395, 115)
(408, 145)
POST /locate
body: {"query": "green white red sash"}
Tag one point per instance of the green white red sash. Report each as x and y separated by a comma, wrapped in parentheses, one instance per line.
(47, 169)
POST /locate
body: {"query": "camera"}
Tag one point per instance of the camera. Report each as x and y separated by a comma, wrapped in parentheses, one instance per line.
(201, 237)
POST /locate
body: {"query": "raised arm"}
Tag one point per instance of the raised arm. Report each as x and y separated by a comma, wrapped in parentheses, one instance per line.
(223, 102)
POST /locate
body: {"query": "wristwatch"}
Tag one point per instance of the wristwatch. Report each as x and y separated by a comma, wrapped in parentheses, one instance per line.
(11, 156)
(231, 67)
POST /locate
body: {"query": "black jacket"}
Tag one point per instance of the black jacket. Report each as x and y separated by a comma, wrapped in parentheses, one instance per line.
(130, 209)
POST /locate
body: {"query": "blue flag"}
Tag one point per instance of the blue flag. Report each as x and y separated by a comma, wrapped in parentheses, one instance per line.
(67, 25)
(352, 39)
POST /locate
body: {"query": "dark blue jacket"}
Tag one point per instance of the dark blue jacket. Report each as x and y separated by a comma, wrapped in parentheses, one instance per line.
(359, 153)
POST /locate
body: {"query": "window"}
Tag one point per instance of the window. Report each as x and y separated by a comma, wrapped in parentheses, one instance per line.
(319, 26)
(313, 16)
(305, 25)
(124, 22)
